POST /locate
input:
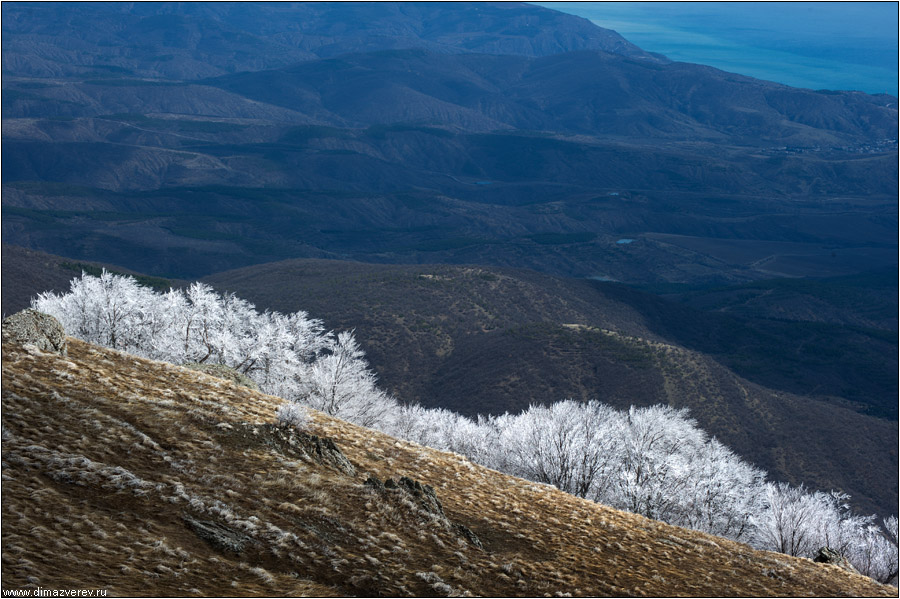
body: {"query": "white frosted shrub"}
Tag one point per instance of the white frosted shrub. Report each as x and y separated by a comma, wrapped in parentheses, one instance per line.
(290, 356)
(293, 414)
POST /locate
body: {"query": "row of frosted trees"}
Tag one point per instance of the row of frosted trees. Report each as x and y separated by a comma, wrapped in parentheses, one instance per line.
(657, 462)
(291, 356)
(652, 461)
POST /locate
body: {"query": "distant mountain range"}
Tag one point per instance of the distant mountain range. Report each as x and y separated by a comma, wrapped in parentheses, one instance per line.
(171, 139)
(199, 40)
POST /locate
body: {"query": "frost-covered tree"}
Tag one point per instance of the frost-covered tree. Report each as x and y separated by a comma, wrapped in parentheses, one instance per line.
(874, 551)
(109, 310)
(654, 461)
(788, 521)
(287, 355)
(569, 445)
(882, 558)
(340, 384)
(798, 522)
(659, 444)
(722, 494)
(293, 414)
(445, 430)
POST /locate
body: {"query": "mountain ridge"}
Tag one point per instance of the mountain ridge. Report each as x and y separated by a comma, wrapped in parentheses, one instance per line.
(190, 39)
(484, 340)
(402, 153)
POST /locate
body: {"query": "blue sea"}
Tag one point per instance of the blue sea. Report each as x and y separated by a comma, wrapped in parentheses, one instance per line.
(816, 45)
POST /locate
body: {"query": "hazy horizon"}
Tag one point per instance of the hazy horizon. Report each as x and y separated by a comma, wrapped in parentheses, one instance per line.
(816, 45)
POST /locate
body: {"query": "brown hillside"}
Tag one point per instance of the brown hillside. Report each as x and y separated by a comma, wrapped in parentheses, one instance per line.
(148, 479)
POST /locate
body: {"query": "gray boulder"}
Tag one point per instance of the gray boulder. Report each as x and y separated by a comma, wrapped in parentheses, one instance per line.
(217, 534)
(425, 501)
(30, 327)
(827, 555)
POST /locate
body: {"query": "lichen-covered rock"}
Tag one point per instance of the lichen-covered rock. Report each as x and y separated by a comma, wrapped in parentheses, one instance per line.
(218, 535)
(224, 372)
(425, 500)
(827, 555)
(30, 327)
(289, 441)
(423, 494)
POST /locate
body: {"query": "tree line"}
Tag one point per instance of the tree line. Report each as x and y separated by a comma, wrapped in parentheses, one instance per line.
(653, 461)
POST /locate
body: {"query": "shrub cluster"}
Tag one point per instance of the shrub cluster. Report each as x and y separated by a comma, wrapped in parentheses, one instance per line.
(657, 462)
(290, 356)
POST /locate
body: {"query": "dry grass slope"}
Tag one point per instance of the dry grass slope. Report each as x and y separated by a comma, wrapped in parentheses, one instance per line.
(110, 462)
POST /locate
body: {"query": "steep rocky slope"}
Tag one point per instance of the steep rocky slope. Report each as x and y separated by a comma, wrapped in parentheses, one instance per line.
(155, 479)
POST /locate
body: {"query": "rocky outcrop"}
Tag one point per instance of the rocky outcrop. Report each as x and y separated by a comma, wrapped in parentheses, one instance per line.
(425, 501)
(218, 535)
(424, 495)
(289, 441)
(30, 327)
(224, 372)
(827, 555)
(324, 451)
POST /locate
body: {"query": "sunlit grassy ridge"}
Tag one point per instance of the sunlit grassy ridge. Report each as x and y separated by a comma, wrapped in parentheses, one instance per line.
(107, 458)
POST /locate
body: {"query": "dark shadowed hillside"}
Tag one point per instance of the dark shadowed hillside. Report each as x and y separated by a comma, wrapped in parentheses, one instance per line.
(479, 340)
(157, 479)
(410, 195)
(587, 92)
(27, 273)
(867, 299)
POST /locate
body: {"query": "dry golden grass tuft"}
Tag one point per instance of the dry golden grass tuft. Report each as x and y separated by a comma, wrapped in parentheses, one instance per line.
(126, 474)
